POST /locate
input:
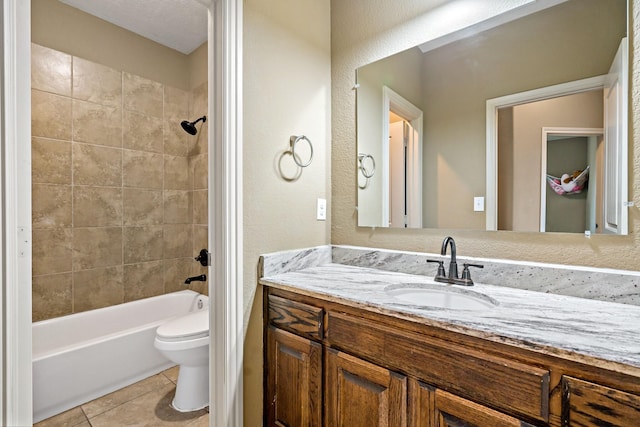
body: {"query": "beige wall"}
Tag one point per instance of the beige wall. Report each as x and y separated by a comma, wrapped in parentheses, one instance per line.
(287, 91)
(155, 205)
(353, 45)
(64, 28)
(117, 205)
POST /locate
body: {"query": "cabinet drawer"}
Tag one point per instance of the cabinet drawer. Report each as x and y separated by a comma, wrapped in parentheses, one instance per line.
(588, 404)
(514, 387)
(303, 319)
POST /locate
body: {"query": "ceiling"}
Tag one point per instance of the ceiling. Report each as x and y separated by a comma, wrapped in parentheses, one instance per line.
(177, 24)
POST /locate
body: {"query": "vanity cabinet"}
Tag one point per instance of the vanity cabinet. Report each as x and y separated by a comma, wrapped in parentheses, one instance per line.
(330, 364)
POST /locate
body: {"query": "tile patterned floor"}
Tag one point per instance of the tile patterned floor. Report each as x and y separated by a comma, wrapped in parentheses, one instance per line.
(145, 403)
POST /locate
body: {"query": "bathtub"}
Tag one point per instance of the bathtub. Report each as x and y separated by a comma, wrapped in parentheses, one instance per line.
(80, 357)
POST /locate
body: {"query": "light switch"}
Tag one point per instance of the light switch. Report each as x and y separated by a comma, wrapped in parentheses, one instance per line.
(478, 204)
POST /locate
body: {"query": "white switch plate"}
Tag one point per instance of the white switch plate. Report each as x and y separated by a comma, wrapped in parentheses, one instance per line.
(478, 204)
(321, 211)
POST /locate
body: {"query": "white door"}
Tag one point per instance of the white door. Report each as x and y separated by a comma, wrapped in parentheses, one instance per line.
(615, 121)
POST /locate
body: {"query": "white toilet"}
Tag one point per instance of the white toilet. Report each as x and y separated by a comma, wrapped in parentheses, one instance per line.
(185, 341)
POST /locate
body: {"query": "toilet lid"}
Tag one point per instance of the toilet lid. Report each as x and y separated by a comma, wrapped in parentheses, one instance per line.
(190, 326)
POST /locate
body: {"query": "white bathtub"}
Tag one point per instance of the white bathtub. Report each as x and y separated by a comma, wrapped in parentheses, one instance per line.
(80, 357)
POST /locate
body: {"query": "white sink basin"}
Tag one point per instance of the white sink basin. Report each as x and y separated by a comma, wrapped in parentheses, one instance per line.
(439, 296)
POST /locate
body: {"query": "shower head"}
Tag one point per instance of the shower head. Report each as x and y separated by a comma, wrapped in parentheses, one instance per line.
(190, 127)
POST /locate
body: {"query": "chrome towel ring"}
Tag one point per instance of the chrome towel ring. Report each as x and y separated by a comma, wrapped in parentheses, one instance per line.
(293, 141)
(367, 173)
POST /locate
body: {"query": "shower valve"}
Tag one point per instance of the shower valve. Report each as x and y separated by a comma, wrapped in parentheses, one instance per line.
(204, 258)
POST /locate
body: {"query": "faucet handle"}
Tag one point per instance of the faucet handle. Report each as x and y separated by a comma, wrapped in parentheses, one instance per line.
(466, 274)
(441, 272)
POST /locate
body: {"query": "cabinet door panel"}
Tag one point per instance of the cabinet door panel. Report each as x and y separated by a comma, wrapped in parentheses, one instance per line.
(360, 394)
(587, 404)
(294, 380)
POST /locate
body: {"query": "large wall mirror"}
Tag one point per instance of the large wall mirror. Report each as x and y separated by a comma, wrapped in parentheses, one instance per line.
(517, 124)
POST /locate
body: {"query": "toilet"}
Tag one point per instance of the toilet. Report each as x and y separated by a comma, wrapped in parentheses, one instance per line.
(185, 341)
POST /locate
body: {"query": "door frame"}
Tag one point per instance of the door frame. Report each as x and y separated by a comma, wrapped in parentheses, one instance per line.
(392, 101)
(492, 106)
(546, 132)
(225, 206)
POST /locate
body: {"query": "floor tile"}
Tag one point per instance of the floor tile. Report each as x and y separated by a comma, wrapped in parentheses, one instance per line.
(118, 397)
(152, 409)
(71, 418)
(172, 374)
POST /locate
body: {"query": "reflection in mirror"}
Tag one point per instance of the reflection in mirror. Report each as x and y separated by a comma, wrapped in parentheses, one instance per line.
(571, 42)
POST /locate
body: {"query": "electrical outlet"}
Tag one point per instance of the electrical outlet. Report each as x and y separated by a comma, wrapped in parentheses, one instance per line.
(321, 211)
(478, 204)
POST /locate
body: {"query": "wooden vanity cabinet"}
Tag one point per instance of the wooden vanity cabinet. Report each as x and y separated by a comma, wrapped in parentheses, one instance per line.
(361, 394)
(327, 364)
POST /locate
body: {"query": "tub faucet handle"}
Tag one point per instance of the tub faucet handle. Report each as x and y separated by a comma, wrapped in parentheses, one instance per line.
(204, 258)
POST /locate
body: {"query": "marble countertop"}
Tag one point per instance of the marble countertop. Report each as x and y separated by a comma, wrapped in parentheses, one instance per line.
(577, 329)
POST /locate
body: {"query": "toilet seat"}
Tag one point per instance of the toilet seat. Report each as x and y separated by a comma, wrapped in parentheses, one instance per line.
(193, 326)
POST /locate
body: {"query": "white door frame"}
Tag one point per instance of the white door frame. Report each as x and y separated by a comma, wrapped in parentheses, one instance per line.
(15, 129)
(546, 131)
(494, 104)
(392, 101)
(225, 205)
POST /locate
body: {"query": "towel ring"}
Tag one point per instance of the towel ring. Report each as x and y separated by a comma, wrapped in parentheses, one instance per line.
(365, 172)
(293, 141)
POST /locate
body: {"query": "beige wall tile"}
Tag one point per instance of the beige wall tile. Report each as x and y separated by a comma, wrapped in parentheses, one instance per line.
(143, 280)
(101, 287)
(51, 206)
(199, 100)
(94, 165)
(50, 70)
(177, 240)
(52, 250)
(96, 247)
(200, 207)
(52, 296)
(177, 173)
(200, 169)
(175, 272)
(50, 161)
(142, 169)
(200, 238)
(97, 206)
(50, 115)
(142, 95)
(177, 142)
(97, 124)
(142, 132)
(176, 103)
(96, 83)
(177, 207)
(143, 244)
(142, 207)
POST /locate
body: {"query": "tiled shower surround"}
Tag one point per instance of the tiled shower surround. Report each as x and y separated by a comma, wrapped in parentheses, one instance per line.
(119, 189)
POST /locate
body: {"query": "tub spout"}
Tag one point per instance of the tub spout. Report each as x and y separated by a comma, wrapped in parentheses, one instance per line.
(200, 278)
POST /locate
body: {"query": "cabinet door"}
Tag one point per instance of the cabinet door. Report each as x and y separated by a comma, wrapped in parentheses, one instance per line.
(587, 404)
(294, 380)
(430, 407)
(361, 394)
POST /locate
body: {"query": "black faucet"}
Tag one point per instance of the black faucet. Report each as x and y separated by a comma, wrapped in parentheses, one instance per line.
(453, 265)
(452, 277)
(200, 278)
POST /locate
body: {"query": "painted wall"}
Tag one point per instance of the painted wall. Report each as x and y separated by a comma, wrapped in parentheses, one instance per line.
(287, 91)
(355, 44)
(113, 100)
(119, 190)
